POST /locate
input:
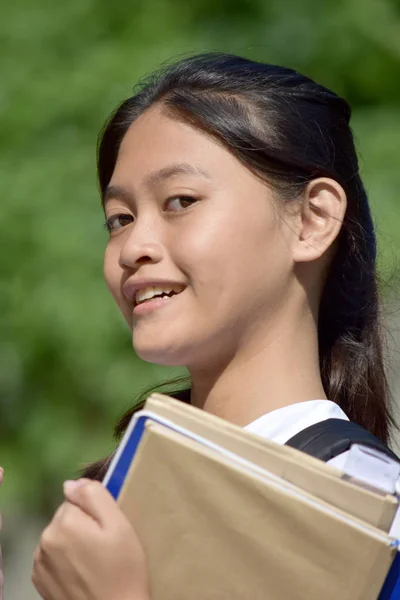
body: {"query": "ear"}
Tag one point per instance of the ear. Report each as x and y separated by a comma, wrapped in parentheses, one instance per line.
(321, 217)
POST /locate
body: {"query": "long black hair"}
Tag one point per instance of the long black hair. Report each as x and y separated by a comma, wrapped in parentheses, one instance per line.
(288, 130)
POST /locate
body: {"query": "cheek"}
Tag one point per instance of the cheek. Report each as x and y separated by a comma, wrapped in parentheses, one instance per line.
(231, 253)
(110, 268)
(113, 275)
(218, 254)
(200, 249)
(232, 238)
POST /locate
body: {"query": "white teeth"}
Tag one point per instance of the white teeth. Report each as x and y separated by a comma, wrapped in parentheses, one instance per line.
(151, 292)
(159, 290)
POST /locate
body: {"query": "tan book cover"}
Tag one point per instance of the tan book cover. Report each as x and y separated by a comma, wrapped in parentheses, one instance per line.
(211, 530)
(294, 466)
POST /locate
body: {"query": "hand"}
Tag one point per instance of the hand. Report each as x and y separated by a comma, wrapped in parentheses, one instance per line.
(90, 550)
(1, 558)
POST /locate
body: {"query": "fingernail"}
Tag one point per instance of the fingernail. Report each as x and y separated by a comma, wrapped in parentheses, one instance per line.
(73, 484)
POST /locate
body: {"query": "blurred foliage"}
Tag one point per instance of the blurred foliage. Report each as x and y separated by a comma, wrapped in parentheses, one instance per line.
(67, 369)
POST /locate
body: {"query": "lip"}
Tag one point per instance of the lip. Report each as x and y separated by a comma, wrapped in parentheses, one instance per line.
(153, 304)
(132, 286)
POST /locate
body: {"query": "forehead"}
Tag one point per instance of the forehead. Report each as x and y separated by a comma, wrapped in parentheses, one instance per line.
(155, 140)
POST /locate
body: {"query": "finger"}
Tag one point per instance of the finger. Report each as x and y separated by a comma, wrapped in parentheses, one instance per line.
(72, 526)
(41, 576)
(59, 512)
(93, 498)
(1, 474)
(46, 575)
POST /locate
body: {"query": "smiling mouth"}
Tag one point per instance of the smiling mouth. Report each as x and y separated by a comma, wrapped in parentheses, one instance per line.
(157, 292)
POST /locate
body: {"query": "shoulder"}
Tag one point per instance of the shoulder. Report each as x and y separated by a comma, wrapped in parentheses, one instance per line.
(282, 424)
(317, 427)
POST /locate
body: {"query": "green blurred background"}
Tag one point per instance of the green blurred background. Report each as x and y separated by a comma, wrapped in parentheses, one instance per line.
(67, 369)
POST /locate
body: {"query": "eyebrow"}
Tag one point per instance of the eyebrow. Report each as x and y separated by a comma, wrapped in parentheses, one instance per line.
(121, 193)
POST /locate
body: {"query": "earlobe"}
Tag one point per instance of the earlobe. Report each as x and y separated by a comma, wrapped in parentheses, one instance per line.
(322, 212)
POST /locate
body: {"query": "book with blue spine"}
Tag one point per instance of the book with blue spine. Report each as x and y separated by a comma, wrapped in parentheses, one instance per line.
(165, 418)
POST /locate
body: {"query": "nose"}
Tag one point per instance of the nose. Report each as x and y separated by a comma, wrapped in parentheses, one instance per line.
(141, 247)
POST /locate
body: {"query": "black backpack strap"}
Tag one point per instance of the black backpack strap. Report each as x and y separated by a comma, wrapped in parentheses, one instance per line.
(329, 438)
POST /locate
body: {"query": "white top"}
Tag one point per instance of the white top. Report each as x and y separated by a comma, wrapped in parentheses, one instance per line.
(283, 423)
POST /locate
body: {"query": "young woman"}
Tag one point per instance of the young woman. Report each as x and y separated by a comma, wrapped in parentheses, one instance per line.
(241, 246)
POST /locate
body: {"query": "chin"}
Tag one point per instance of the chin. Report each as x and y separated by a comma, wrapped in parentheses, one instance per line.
(158, 353)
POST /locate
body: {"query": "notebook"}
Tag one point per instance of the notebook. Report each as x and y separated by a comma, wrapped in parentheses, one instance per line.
(222, 513)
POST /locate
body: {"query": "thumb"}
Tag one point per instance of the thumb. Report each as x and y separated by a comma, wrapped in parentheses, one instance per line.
(92, 498)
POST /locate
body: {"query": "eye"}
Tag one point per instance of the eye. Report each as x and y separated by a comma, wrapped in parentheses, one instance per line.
(116, 222)
(179, 203)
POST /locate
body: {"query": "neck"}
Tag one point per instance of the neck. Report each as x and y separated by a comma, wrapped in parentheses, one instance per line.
(274, 370)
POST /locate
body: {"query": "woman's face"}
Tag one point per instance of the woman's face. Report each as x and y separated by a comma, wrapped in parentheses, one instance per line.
(188, 219)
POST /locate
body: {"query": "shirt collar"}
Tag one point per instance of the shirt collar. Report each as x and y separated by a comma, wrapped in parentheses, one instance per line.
(283, 423)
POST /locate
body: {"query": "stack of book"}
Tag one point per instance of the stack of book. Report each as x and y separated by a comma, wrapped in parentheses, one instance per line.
(223, 514)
